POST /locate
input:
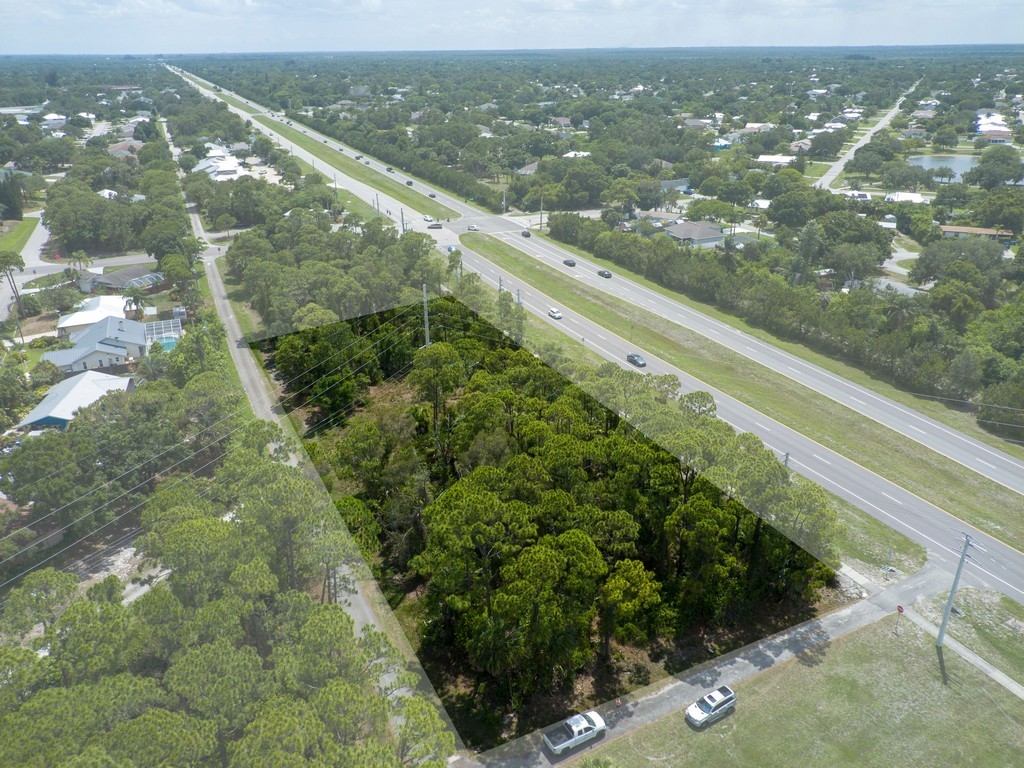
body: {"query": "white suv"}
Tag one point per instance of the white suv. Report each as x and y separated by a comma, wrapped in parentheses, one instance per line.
(712, 706)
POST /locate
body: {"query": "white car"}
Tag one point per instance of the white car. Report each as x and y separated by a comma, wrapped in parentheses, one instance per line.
(428, 218)
(554, 313)
(473, 228)
(711, 706)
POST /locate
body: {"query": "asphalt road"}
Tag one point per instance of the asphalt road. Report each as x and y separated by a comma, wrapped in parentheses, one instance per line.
(35, 267)
(973, 454)
(833, 173)
(1001, 568)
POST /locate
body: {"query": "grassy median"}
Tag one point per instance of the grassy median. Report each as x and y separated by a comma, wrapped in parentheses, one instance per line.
(353, 168)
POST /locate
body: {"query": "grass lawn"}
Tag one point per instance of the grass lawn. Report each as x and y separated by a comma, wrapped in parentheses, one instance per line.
(991, 625)
(869, 545)
(869, 699)
(816, 170)
(232, 371)
(941, 481)
(249, 321)
(906, 263)
(20, 232)
(357, 170)
(907, 243)
(47, 281)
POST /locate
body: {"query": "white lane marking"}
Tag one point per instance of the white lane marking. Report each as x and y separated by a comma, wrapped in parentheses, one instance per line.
(819, 458)
(892, 498)
(762, 426)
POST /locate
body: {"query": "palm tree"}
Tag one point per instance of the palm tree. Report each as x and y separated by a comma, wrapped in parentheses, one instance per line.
(81, 259)
(134, 300)
(10, 261)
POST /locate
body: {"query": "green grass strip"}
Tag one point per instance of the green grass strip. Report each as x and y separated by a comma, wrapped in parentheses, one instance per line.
(20, 232)
(357, 170)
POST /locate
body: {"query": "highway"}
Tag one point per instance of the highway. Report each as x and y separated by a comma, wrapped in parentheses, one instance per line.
(1001, 568)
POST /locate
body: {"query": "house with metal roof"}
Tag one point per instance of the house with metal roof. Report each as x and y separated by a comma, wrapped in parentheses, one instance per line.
(91, 310)
(67, 397)
(107, 342)
(703, 234)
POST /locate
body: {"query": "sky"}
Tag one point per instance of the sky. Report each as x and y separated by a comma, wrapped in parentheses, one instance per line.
(213, 26)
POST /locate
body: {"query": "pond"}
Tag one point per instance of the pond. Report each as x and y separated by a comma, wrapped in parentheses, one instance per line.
(959, 163)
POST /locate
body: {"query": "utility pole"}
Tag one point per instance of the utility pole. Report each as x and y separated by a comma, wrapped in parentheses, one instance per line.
(401, 212)
(501, 284)
(426, 318)
(541, 225)
(968, 543)
(503, 208)
(519, 299)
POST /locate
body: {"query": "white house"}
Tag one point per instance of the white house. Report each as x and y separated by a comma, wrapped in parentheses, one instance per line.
(905, 197)
(91, 310)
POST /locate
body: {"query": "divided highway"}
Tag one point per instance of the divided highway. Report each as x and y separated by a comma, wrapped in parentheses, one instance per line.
(1001, 569)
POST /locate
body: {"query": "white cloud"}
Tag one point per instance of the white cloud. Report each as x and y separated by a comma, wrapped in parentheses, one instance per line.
(149, 26)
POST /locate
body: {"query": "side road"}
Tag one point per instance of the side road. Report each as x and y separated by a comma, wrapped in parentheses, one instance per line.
(808, 641)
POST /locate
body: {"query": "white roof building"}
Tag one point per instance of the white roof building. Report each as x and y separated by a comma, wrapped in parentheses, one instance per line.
(905, 197)
(90, 311)
(69, 396)
(776, 159)
(575, 153)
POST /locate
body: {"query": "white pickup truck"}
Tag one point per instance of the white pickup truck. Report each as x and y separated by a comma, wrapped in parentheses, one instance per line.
(574, 731)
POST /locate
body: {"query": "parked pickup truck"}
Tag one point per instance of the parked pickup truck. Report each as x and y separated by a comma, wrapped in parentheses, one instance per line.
(574, 731)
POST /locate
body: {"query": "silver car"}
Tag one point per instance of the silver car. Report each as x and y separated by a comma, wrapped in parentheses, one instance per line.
(711, 706)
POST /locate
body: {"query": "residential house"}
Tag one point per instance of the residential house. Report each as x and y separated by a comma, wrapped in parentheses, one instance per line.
(67, 397)
(703, 234)
(905, 197)
(135, 276)
(91, 310)
(776, 160)
(106, 343)
(992, 234)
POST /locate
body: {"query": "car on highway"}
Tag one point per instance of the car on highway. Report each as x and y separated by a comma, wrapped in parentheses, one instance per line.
(569, 262)
(711, 706)
(435, 225)
(366, 162)
(472, 228)
(428, 217)
(389, 169)
(554, 314)
(604, 273)
(408, 183)
(431, 195)
(525, 233)
(636, 359)
(359, 157)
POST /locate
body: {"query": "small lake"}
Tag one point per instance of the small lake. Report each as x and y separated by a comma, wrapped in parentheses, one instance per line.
(961, 164)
